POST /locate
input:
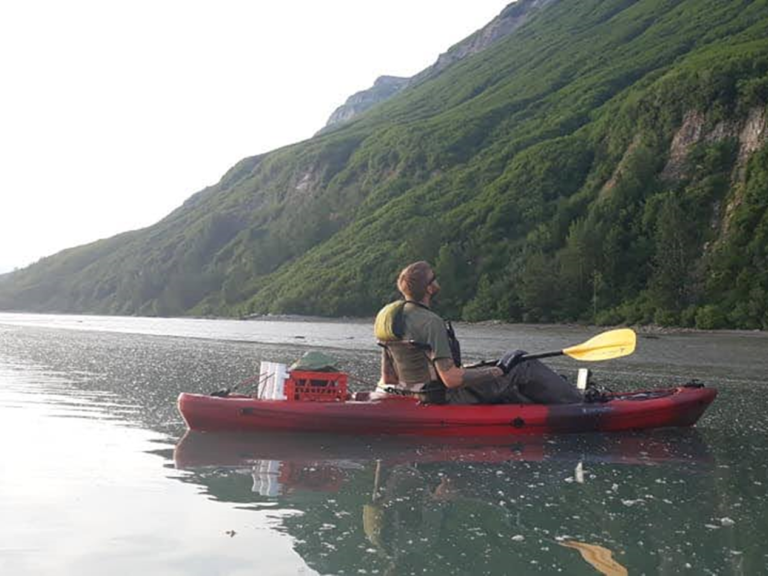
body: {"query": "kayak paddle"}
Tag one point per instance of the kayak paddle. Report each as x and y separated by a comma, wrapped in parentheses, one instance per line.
(605, 346)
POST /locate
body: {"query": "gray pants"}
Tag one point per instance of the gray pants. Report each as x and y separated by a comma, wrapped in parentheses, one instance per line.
(530, 382)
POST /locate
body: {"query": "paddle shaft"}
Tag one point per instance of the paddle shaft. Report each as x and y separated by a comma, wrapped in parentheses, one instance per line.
(543, 355)
(526, 357)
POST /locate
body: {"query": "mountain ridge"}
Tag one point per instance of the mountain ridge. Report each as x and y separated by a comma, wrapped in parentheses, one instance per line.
(532, 175)
(512, 17)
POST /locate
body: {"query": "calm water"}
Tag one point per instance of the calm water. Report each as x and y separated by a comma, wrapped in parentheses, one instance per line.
(98, 476)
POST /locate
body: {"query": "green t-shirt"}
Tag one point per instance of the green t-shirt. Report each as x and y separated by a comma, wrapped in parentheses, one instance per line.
(425, 327)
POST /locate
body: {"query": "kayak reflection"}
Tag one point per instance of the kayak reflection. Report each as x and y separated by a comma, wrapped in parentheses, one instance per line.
(197, 449)
(393, 507)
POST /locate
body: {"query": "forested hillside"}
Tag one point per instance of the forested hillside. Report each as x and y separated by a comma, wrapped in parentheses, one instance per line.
(607, 162)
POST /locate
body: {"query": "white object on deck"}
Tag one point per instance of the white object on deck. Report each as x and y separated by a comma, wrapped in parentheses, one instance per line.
(272, 377)
(582, 379)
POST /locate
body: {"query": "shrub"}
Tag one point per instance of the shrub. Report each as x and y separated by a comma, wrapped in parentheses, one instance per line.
(688, 317)
(710, 317)
(666, 317)
(608, 318)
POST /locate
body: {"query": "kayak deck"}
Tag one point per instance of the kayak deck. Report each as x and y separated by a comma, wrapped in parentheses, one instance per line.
(670, 407)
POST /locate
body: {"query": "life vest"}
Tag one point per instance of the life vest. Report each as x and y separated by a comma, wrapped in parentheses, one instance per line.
(390, 322)
(412, 359)
(390, 326)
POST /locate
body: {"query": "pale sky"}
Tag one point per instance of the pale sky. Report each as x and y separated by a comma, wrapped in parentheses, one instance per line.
(112, 113)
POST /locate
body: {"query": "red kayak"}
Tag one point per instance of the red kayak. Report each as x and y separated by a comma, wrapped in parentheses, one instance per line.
(670, 407)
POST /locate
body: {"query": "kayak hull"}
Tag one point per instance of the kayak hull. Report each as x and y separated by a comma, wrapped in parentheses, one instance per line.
(672, 407)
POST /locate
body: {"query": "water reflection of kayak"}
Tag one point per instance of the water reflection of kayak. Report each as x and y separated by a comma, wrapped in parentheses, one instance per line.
(197, 449)
(671, 407)
(457, 506)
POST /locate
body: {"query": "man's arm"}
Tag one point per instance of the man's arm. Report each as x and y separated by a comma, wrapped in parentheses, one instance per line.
(455, 376)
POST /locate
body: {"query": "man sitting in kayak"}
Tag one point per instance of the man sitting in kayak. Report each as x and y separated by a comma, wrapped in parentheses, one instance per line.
(418, 356)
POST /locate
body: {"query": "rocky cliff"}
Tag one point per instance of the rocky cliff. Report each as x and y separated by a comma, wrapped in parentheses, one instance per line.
(383, 88)
(509, 20)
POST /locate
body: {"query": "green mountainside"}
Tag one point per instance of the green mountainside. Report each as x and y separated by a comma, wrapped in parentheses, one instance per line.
(607, 162)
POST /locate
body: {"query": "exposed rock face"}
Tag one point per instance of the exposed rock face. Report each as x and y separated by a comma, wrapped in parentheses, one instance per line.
(751, 138)
(751, 134)
(687, 135)
(620, 168)
(510, 19)
(382, 89)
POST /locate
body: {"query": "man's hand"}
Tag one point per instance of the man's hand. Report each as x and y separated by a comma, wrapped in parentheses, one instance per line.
(510, 360)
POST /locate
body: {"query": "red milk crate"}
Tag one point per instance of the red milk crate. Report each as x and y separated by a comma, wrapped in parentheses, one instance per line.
(304, 386)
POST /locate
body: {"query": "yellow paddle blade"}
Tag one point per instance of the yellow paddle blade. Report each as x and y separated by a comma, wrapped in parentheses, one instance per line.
(612, 344)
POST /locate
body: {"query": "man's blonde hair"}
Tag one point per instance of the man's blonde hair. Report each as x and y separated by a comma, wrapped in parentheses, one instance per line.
(414, 279)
